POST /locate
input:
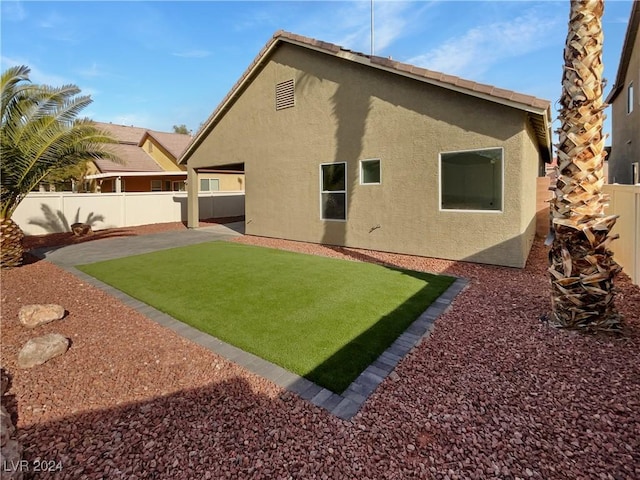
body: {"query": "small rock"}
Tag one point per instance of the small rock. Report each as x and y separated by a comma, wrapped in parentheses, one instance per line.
(11, 460)
(4, 381)
(41, 349)
(81, 229)
(32, 316)
(6, 427)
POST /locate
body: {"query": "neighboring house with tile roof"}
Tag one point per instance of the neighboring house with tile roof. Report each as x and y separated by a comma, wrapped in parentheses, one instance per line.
(150, 164)
(347, 149)
(624, 161)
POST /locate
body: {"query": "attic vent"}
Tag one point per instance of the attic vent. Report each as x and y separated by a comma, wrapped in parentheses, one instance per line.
(285, 95)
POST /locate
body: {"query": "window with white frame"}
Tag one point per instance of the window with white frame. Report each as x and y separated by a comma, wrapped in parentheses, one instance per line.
(178, 186)
(156, 185)
(471, 180)
(370, 172)
(333, 191)
(209, 184)
(630, 98)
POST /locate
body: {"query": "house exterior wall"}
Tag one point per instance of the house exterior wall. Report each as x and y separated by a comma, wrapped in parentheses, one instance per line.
(346, 112)
(624, 201)
(229, 182)
(161, 156)
(140, 184)
(625, 131)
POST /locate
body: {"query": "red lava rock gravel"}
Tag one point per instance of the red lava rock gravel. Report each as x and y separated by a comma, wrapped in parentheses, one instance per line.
(493, 393)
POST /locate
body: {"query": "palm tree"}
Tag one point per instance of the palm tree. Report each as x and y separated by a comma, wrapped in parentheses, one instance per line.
(39, 133)
(581, 265)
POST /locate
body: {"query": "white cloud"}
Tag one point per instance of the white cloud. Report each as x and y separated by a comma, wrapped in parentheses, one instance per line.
(52, 20)
(192, 54)
(92, 71)
(349, 25)
(13, 11)
(390, 21)
(476, 51)
(36, 76)
(132, 119)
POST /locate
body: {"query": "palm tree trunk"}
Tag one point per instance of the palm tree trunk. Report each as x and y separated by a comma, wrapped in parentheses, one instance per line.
(581, 265)
(11, 250)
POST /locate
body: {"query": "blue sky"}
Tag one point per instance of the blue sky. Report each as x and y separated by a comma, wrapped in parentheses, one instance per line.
(158, 64)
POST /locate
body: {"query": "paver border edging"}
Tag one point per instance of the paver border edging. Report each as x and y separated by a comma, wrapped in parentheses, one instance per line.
(343, 406)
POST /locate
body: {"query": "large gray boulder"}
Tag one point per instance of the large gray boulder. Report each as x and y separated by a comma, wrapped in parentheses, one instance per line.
(41, 349)
(32, 316)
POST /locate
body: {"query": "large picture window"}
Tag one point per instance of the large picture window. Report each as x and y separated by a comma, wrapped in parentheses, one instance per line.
(333, 191)
(471, 180)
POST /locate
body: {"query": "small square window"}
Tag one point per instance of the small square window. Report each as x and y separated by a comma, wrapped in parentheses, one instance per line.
(370, 172)
(156, 185)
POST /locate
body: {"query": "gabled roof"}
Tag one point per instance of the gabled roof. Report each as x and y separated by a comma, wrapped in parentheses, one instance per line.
(174, 143)
(627, 47)
(135, 158)
(539, 109)
(123, 133)
(130, 139)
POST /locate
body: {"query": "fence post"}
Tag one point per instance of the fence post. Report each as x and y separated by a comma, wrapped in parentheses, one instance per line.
(123, 209)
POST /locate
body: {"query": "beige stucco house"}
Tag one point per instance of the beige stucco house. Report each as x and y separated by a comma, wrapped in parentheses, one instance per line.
(346, 149)
(624, 161)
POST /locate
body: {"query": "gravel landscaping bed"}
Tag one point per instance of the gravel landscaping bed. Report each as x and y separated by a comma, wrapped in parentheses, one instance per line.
(492, 393)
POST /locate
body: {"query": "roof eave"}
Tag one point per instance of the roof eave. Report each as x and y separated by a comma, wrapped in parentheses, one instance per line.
(625, 55)
(103, 175)
(539, 107)
(236, 90)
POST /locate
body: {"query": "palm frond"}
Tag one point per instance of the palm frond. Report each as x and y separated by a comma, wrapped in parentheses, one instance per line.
(40, 133)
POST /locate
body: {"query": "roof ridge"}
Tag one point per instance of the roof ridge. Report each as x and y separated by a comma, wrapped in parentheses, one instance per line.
(538, 105)
(420, 71)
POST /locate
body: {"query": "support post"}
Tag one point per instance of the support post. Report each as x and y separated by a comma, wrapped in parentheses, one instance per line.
(193, 211)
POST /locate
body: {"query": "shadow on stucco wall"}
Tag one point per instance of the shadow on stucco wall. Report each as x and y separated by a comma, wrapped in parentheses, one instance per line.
(350, 108)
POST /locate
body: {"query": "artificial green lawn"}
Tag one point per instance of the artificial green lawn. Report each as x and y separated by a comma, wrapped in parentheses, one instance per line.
(322, 318)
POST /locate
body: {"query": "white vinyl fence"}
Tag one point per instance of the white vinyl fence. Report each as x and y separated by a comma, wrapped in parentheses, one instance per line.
(44, 212)
(625, 201)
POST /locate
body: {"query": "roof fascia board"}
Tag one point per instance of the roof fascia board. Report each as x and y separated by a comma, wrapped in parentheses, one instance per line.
(134, 174)
(625, 55)
(229, 99)
(367, 62)
(545, 113)
(347, 55)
